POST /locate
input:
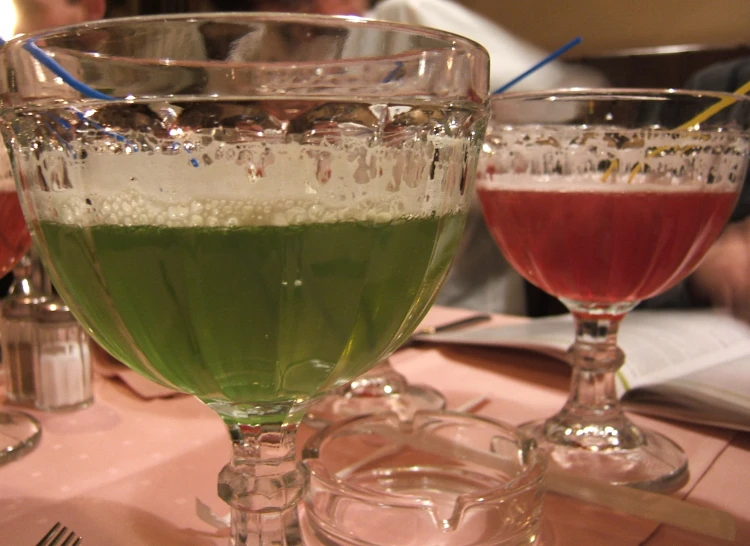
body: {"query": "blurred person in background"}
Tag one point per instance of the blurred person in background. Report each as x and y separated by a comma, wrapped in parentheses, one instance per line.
(723, 278)
(319, 7)
(34, 15)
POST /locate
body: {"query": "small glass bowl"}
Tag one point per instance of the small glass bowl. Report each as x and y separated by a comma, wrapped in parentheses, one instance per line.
(440, 478)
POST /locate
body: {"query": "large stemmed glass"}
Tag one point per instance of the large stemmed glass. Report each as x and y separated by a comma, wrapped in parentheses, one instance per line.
(605, 198)
(265, 212)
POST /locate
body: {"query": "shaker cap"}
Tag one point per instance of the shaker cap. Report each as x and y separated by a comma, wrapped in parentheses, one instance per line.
(51, 310)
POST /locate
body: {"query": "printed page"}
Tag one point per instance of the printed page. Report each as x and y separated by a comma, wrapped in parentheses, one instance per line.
(663, 345)
(715, 396)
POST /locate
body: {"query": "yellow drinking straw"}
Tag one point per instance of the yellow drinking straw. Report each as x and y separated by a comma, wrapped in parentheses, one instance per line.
(700, 118)
(715, 108)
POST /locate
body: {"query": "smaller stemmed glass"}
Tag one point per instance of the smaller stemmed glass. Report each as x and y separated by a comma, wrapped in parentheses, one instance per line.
(604, 198)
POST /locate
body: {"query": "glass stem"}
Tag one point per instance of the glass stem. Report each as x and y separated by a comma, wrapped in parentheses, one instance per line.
(592, 416)
(263, 484)
(595, 358)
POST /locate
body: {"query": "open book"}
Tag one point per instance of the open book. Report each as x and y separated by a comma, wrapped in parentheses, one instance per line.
(687, 365)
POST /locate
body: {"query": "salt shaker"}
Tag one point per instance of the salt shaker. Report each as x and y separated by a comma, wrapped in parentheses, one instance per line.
(18, 335)
(62, 362)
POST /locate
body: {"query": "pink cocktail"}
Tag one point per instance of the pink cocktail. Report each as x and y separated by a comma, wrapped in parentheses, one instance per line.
(603, 199)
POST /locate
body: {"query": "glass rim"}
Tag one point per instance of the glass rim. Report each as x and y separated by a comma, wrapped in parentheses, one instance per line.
(611, 94)
(451, 39)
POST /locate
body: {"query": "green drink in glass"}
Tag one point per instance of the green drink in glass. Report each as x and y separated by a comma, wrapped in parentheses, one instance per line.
(253, 225)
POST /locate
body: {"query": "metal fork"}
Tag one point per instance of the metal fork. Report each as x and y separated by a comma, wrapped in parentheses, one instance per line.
(60, 535)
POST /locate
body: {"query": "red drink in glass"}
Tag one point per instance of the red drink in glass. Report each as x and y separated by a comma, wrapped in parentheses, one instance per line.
(14, 236)
(609, 245)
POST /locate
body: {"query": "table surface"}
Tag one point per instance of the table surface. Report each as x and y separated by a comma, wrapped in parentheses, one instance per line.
(128, 470)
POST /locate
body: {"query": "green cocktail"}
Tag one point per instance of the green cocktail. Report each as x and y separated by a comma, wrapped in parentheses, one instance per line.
(253, 273)
(265, 209)
(256, 314)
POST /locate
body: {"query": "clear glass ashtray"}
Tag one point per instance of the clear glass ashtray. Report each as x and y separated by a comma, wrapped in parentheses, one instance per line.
(440, 478)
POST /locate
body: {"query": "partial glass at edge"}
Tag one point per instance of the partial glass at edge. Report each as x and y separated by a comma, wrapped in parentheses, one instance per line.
(604, 198)
(19, 431)
(267, 216)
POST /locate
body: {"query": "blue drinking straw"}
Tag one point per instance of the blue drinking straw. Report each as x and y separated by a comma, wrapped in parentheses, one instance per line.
(551, 57)
(60, 72)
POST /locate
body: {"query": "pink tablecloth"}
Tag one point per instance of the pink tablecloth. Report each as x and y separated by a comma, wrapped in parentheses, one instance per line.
(127, 470)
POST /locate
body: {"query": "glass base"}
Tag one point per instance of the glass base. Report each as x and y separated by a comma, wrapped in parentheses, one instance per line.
(657, 464)
(19, 434)
(338, 406)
